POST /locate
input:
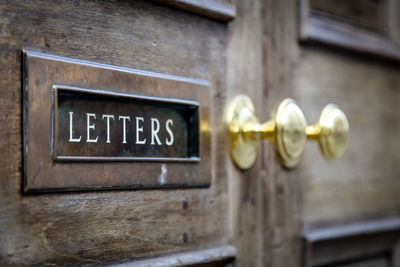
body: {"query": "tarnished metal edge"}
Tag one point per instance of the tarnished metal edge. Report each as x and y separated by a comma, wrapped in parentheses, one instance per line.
(118, 94)
(225, 253)
(117, 68)
(160, 159)
(119, 187)
(24, 119)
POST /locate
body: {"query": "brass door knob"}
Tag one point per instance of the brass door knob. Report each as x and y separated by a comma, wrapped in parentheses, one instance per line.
(331, 132)
(287, 130)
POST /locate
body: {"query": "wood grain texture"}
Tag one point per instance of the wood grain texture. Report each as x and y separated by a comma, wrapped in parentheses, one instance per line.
(364, 183)
(282, 197)
(265, 199)
(244, 76)
(94, 228)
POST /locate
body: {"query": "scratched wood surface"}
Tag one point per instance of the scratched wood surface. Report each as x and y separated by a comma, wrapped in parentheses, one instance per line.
(244, 76)
(109, 226)
(255, 210)
(262, 51)
(282, 212)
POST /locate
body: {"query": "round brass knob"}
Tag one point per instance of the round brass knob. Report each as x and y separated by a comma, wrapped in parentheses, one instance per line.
(242, 146)
(286, 130)
(331, 132)
(288, 135)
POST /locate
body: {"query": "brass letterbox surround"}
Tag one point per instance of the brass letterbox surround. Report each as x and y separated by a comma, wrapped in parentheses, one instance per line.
(44, 74)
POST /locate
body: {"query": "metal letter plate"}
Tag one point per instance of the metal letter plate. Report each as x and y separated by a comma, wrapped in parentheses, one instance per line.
(90, 126)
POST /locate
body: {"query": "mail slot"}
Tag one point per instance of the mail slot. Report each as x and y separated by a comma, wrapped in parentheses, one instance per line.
(91, 126)
(94, 125)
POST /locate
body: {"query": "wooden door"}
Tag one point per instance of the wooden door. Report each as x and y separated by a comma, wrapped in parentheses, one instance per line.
(242, 217)
(349, 56)
(263, 216)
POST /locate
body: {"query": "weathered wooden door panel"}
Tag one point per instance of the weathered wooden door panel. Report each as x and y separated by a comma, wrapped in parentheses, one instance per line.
(109, 226)
(121, 225)
(359, 192)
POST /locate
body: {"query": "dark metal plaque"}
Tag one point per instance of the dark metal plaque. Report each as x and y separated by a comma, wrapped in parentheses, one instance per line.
(93, 126)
